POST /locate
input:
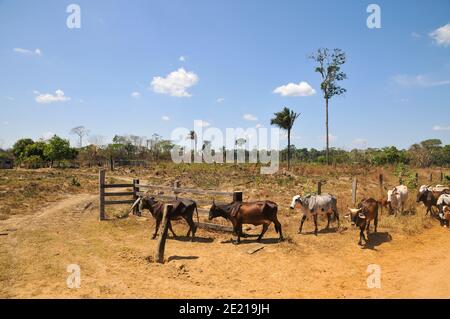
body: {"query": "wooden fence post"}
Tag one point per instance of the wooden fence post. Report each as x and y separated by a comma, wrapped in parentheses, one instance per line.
(101, 191)
(159, 255)
(176, 184)
(319, 187)
(431, 177)
(417, 179)
(381, 181)
(237, 197)
(136, 196)
(442, 177)
(111, 163)
(354, 189)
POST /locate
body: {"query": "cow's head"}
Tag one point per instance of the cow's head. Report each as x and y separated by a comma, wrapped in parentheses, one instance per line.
(216, 211)
(147, 202)
(422, 193)
(297, 199)
(356, 216)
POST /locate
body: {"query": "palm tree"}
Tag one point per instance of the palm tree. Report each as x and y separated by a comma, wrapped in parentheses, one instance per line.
(193, 136)
(285, 120)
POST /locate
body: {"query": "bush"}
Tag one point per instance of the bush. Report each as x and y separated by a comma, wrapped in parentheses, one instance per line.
(32, 161)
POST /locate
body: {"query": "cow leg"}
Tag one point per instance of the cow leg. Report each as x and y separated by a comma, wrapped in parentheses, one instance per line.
(328, 220)
(278, 228)
(171, 230)
(336, 215)
(238, 231)
(315, 225)
(301, 223)
(192, 227)
(361, 235)
(158, 222)
(265, 227)
(375, 223)
(368, 227)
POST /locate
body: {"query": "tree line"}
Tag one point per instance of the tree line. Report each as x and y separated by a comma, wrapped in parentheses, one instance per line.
(127, 148)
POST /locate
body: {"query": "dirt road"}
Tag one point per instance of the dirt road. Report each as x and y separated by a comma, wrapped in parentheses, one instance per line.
(115, 260)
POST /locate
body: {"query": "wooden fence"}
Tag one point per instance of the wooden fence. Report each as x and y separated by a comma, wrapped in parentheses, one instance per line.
(175, 190)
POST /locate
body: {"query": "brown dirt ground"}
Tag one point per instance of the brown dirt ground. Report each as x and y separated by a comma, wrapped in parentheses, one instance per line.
(115, 258)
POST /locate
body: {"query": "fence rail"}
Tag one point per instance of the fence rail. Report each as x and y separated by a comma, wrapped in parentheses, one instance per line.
(137, 191)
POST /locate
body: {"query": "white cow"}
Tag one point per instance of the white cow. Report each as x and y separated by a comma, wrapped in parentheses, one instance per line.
(314, 205)
(442, 202)
(397, 198)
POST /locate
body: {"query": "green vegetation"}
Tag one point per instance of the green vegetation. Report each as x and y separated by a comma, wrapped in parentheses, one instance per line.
(33, 154)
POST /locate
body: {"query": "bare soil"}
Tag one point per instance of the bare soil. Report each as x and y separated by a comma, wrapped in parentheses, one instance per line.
(116, 256)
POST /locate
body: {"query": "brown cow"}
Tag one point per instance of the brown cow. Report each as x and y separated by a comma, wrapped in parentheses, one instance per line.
(182, 208)
(362, 216)
(256, 213)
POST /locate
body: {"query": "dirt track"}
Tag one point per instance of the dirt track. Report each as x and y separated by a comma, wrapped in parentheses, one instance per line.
(114, 260)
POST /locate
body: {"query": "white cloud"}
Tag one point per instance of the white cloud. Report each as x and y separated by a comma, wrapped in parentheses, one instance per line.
(292, 89)
(420, 80)
(258, 125)
(135, 95)
(5, 123)
(360, 143)
(50, 98)
(175, 84)
(250, 117)
(9, 98)
(28, 52)
(441, 35)
(220, 100)
(182, 58)
(165, 118)
(416, 35)
(47, 135)
(441, 128)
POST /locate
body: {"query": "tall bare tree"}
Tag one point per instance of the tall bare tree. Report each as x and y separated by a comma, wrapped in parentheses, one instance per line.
(285, 120)
(80, 131)
(329, 67)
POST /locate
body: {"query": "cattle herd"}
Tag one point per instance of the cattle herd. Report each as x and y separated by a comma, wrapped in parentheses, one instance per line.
(265, 212)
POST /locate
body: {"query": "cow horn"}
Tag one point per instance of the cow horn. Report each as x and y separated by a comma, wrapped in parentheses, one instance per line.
(361, 215)
(134, 204)
(355, 210)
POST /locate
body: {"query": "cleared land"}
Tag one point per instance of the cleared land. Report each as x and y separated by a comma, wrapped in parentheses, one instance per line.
(49, 219)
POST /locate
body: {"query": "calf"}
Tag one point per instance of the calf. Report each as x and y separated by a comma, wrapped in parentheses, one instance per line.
(314, 205)
(181, 208)
(256, 213)
(361, 216)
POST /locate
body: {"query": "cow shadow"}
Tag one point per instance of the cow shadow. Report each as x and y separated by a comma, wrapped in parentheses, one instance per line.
(196, 239)
(322, 231)
(247, 240)
(376, 239)
(176, 257)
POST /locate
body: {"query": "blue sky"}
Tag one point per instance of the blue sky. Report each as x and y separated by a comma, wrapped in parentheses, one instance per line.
(236, 53)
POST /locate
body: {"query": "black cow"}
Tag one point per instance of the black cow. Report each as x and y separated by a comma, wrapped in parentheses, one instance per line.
(182, 208)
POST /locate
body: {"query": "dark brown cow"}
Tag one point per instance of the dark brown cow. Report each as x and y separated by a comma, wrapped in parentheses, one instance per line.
(429, 196)
(366, 211)
(256, 213)
(182, 208)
